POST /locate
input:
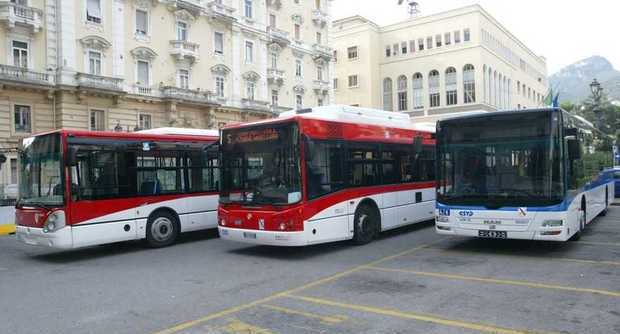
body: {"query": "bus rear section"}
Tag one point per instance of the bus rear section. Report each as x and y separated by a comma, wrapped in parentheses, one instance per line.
(324, 175)
(81, 188)
(529, 174)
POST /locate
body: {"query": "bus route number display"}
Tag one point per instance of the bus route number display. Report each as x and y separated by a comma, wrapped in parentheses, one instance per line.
(252, 136)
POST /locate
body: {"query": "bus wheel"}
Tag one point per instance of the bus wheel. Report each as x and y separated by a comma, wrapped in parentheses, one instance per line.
(582, 226)
(161, 230)
(366, 223)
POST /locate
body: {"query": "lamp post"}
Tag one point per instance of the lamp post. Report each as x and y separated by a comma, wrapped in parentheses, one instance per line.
(597, 92)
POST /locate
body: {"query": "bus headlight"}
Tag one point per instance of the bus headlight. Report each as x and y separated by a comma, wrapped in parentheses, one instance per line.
(442, 219)
(54, 222)
(553, 223)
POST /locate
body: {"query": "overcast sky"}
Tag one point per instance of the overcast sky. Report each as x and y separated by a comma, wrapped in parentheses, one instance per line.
(564, 31)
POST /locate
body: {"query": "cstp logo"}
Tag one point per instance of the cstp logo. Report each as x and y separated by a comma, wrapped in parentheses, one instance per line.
(466, 213)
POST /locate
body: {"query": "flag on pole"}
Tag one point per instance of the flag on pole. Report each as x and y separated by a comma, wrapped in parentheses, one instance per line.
(556, 101)
(548, 101)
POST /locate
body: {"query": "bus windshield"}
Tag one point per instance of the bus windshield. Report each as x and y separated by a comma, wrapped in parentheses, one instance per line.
(500, 160)
(40, 183)
(261, 165)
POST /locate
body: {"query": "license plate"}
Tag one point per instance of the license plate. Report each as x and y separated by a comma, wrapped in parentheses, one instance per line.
(249, 235)
(493, 234)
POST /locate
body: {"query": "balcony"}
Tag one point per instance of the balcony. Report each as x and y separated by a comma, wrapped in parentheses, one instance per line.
(321, 87)
(145, 91)
(275, 76)
(13, 14)
(195, 7)
(319, 18)
(278, 36)
(22, 75)
(322, 51)
(184, 50)
(255, 105)
(188, 95)
(99, 83)
(276, 4)
(221, 12)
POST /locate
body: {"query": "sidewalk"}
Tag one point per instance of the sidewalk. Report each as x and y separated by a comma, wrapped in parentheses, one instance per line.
(7, 220)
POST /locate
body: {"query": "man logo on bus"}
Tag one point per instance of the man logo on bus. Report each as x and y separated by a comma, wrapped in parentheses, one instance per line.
(522, 212)
(466, 213)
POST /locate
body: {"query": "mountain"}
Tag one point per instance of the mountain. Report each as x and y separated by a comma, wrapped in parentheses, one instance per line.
(573, 81)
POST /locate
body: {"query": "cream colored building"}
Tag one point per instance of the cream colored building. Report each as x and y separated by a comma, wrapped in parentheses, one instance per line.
(128, 64)
(455, 61)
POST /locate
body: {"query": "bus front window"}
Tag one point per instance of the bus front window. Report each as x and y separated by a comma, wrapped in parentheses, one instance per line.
(513, 160)
(261, 166)
(40, 182)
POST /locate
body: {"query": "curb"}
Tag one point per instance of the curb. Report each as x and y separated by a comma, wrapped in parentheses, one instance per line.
(7, 229)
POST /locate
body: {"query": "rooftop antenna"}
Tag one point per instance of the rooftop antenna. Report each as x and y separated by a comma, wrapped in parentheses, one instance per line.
(413, 8)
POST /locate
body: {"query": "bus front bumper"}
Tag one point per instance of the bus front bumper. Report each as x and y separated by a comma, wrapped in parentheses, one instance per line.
(542, 234)
(270, 238)
(61, 239)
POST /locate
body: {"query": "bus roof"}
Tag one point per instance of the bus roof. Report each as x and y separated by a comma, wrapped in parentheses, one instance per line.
(457, 118)
(132, 135)
(181, 131)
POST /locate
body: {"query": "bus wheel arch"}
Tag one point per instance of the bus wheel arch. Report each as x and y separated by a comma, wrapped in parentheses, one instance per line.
(162, 228)
(581, 224)
(604, 212)
(367, 222)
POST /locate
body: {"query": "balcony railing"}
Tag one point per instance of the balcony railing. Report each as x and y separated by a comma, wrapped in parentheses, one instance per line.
(85, 80)
(188, 95)
(320, 86)
(277, 4)
(319, 17)
(322, 51)
(24, 75)
(221, 11)
(255, 104)
(275, 76)
(12, 13)
(184, 49)
(279, 36)
(145, 90)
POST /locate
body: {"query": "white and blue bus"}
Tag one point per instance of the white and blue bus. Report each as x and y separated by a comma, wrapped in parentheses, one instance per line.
(529, 174)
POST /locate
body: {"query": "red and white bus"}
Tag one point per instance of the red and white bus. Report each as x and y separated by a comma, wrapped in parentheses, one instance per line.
(324, 174)
(82, 188)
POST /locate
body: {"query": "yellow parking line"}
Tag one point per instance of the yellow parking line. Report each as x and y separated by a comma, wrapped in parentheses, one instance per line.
(7, 229)
(500, 281)
(415, 316)
(238, 308)
(331, 320)
(239, 327)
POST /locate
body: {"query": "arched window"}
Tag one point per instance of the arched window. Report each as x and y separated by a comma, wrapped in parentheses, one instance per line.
(387, 94)
(451, 96)
(500, 91)
(433, 89)
(485, 79)
(469, 84)
(418, 91)
(510, 93)
(402, 93)
(490, 84)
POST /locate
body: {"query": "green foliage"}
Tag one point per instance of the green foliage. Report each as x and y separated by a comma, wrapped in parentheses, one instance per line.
(610, 114)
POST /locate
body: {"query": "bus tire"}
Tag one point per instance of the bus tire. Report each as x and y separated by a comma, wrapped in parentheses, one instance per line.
(365, 225)
(162, 229)
(582, 225)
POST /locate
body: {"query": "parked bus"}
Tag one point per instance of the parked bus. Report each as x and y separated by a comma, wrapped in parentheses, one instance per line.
(528, 174)
(81, 188)
(324, 174)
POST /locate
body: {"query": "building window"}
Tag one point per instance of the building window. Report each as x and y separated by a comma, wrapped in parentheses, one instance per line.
(353, 81)
(298, 68)
(184, 79)
(466, 35)
(335, 83)
(469, 84)
(388, 51)
(451, 96)
(13, 171)
(335, 55)
(219, 86)
(352, 52)
(248, 8)
(403, 48)
(429, 42)
(420, 44)
(250, 89)
(438, 40)
(402, 93)
(274, 60)
(274, 98)
(418, 92)
(143, 78)
(144, 121)
(181, 31)
(218, 43)
(433, 88)
(319, 38)
(20, 54)
(97, 120)
(411, 46)
(447, 38)
(319, 73)
(297, 32)
(395, 50)
(299, 101)
(23, 118)
(94, 62)
(387, 94)
(319, 102)
(93, 11)
(457, 36)
(142, 22)
(272, 20)
(249, 52)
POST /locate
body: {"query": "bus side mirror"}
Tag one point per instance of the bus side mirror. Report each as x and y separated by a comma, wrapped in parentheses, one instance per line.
(309, 148)
(72, 156)
(574, 149)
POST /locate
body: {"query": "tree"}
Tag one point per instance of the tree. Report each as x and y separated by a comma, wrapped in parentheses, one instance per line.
(610, 115)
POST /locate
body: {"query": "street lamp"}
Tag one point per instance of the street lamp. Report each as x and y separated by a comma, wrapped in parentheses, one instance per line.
(597, 92)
